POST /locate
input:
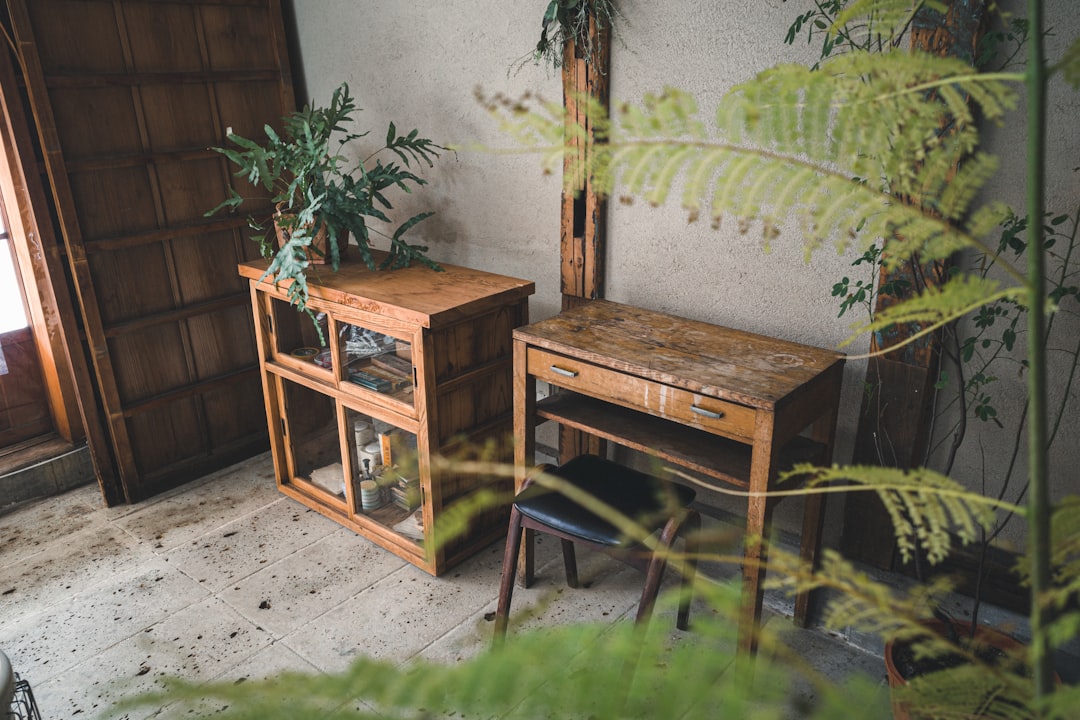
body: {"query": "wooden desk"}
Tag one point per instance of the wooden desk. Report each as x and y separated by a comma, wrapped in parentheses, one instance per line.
(730, 405)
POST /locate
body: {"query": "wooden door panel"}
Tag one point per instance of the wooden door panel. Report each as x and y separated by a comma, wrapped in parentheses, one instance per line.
(245, 107)
(24, 409)
(189, 188)
(104, 118)
(164, 37)
(167, 434)
(135, 277)
(148, 362)
(82, 36)
(236, 38)
(112, 201)
(224, 425)
(222, 342)
(177, 116)
(167, 319)
(210, 262)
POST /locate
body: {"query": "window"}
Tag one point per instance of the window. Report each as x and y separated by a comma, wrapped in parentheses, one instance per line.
(12, 307)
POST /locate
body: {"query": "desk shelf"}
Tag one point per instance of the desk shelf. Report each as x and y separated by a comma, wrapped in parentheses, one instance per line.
(716, 457)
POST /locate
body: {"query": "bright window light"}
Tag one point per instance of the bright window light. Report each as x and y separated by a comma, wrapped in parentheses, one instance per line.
(12, 308)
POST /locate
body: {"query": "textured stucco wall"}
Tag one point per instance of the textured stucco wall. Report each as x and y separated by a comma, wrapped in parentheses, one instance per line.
(419, 63)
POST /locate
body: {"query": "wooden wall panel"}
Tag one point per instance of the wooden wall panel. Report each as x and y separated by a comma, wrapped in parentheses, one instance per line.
(166, 316)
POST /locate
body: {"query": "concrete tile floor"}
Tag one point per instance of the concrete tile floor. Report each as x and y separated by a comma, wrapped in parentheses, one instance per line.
(225, 578)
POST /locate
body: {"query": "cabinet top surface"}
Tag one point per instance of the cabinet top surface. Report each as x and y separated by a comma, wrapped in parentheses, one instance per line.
(416, 293)
(752, 369)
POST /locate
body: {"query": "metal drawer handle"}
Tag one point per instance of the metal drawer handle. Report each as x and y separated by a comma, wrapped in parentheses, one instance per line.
(706, 413)
(565, 373)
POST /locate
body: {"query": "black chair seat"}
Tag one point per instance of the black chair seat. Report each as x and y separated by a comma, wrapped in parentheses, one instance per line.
(641, 497)
(651, 503)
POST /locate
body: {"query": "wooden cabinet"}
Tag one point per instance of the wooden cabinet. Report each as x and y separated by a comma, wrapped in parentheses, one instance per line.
(417, 368)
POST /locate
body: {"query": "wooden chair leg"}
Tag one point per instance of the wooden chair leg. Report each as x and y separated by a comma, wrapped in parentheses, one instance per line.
(509, 572)
(691, 538)
(569, 562)
(657, 565)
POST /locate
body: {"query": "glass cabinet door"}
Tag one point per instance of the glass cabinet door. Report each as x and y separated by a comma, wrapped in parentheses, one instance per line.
(385, 476)
(376, 361)
(313, 442)
(296, 336)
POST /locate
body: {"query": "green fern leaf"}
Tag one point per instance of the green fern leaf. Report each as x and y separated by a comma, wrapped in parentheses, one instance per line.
(937, 306)
(1070, 65)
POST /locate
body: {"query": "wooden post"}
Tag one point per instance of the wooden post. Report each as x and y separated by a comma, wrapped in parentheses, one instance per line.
(894, 424)
(584, 209)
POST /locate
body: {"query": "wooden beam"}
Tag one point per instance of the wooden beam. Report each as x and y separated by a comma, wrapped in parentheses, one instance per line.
(584, 209)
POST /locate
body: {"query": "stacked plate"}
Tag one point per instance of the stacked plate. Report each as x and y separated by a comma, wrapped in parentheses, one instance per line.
(370, 495)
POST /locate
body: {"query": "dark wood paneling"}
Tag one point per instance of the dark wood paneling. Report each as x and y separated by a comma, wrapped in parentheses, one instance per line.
(167, 319)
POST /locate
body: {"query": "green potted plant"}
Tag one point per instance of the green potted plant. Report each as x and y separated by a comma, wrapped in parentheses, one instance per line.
(565, 21)
(315, 197)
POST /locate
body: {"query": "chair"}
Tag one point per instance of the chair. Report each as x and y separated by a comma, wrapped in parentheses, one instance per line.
(653, 503)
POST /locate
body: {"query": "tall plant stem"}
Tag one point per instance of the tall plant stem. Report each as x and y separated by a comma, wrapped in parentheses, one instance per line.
(1039, 498)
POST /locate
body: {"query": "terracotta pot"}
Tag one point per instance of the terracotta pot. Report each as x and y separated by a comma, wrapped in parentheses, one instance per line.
(985, 635)
(320, 241)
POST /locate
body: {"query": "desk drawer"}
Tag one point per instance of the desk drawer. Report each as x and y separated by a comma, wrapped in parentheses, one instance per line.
(707, 413)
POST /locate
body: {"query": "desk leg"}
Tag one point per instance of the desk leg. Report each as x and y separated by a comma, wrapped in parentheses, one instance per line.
(823, 430)
(758, 514)
(810, 543)
(524, 448)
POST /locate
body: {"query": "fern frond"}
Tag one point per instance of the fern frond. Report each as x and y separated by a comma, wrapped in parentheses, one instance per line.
(856, 151)
(937, 306)
(888, 18)
(926, 508)
(1070, 65)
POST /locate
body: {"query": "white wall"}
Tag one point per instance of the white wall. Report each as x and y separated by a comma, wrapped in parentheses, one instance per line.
(418, 64)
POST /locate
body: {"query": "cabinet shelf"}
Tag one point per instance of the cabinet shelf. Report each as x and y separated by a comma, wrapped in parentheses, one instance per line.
(419, 364)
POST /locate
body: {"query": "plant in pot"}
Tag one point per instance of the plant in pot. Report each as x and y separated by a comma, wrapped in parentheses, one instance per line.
(315, 195)
(972, 354)
(568, 21)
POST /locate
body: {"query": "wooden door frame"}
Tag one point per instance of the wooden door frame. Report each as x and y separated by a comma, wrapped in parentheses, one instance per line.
(69, 388)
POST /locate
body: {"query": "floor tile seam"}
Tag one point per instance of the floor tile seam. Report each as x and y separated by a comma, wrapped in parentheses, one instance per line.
(300, 629)
(210, 531)
(129, 638)
(51, 610)
(222, 676)
(219, 592)
(53, 541)
(129, 567)
(480, 612)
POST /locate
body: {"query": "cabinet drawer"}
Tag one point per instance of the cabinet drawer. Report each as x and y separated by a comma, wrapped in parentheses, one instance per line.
(682, 406)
